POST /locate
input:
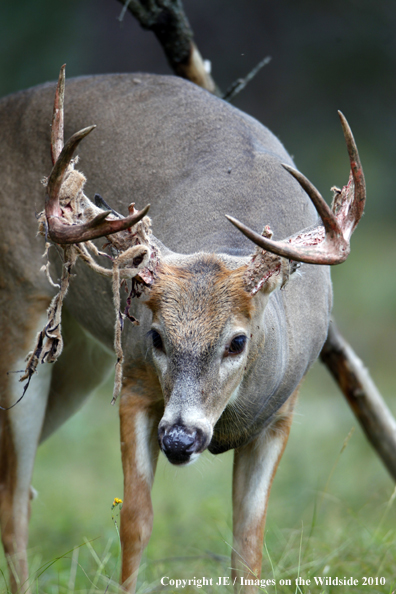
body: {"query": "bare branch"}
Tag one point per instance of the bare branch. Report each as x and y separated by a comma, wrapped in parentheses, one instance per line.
(362, 395)
(168, 21)
(238, 85)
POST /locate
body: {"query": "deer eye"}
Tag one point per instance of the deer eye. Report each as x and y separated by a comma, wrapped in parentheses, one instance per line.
(157, 340)
(236, 346)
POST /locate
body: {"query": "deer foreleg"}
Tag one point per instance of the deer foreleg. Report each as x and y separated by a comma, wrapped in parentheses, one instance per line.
(139, 449)
(20, 433)
(255, 466)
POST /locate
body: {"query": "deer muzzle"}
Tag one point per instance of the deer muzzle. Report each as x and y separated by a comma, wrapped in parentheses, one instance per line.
(182, 444)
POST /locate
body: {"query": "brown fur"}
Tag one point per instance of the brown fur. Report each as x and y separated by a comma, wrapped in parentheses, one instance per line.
(142, 381)
(139, 395)
(18, 327)
(196, 300)
(8, 463)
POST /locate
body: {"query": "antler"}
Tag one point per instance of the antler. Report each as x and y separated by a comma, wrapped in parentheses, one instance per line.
(59, 230)
(327, 243)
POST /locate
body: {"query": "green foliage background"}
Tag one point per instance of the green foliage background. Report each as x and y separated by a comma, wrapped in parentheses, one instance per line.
(326, 56)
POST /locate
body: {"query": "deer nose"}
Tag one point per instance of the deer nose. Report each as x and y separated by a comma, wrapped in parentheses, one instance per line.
(179, 442)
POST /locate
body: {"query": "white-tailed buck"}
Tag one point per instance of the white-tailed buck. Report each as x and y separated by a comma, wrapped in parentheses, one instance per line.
(227, 330)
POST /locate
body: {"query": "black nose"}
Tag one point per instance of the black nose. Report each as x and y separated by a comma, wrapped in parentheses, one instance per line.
(179, 442)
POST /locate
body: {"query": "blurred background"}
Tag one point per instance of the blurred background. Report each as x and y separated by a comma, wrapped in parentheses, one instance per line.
(325, 56)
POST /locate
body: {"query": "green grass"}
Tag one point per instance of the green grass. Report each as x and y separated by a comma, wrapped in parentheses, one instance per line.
(331, 513)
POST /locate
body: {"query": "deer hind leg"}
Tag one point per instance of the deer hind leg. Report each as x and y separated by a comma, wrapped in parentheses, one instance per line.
(255, 466)
(141, 409)
(54, 395)
(20, 432)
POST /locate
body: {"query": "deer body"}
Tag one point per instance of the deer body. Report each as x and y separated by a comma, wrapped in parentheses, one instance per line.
(194, 158)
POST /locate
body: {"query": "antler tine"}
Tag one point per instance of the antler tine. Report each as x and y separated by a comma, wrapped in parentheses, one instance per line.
(57, 134)
(326, 214)
(328, 244)
(64, 233)
(359, 196)
(97, 227)
(52, 208)
(263, 242)
(316, 253)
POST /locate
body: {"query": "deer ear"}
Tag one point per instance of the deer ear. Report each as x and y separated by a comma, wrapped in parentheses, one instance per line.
(266, 271)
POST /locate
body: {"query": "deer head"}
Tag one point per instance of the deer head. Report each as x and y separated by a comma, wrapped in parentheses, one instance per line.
(207, 310)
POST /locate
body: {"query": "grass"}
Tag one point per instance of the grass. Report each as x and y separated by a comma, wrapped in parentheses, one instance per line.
(331, 511)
